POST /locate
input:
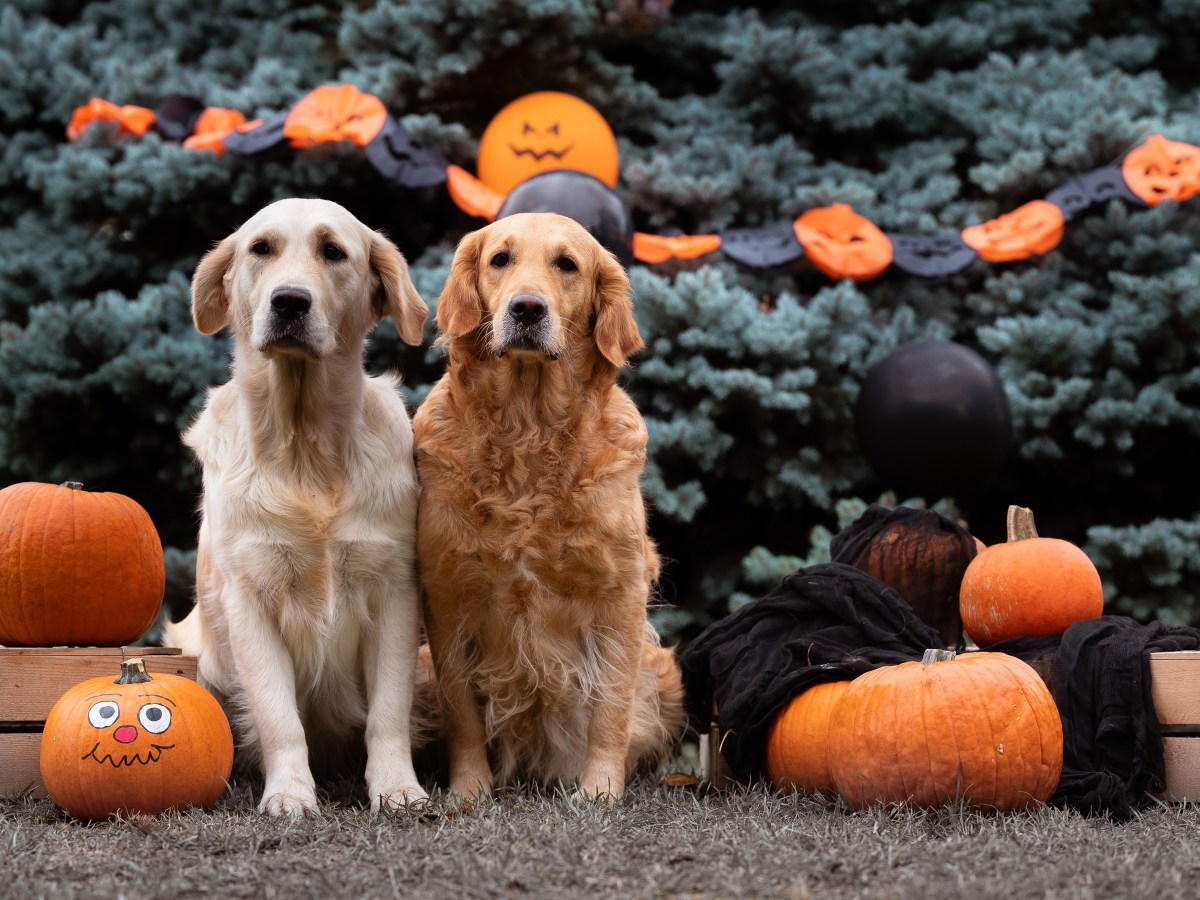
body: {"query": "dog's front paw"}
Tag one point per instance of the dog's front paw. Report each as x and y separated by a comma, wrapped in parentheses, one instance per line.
(603, 787)
(294, 796)
(400, 796)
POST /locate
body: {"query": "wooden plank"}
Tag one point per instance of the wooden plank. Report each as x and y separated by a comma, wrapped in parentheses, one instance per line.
(33, 683)
(19, 770)
(1181, 756)
(1175, 687)
(118, 652)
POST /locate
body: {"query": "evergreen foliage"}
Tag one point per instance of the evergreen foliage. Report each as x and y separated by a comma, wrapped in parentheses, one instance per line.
(925, 116)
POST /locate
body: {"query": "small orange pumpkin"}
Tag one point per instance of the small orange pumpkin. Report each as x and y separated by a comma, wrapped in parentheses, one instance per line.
(76, 567)
(1029, 586)
(211, 128)
(1036, 227)
(977, 727)
(843, 244)
(798, 745)
(135, 745)
(1160, 170)
(132, 119)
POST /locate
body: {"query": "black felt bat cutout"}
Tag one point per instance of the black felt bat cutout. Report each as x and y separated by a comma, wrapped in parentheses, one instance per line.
(931, 255)
(762, 248)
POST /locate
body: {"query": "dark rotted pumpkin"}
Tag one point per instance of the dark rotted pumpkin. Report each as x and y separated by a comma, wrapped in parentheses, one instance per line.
(920, 554)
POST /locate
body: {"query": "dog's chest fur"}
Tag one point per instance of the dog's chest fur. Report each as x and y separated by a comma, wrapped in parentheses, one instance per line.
(315, 551)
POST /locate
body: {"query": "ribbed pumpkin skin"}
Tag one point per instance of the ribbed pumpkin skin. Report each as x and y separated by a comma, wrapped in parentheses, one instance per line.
(1028, 588)
(190, 770)
(798, 746)
(901, 733)
(76, 567)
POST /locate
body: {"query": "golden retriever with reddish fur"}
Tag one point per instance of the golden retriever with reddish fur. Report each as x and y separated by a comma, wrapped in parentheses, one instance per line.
(532, 545)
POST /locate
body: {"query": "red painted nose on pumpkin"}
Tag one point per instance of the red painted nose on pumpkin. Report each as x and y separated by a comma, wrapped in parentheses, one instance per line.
(126, 734)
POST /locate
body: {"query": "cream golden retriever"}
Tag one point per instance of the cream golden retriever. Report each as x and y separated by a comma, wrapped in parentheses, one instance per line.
(307, 619)
(532, 544)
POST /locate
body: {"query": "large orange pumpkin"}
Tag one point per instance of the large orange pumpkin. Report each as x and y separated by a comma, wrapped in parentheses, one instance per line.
(980, 727)
(76, 567)
(137, 744)
(798, 745)
(1028, 587)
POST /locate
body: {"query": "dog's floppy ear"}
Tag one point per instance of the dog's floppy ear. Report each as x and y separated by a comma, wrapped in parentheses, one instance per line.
(210, 298)
(460, 308)
(395, 295)
(615, 332)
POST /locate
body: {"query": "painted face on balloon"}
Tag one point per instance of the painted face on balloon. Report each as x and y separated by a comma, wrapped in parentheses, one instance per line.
(543, 132)
(129, 730)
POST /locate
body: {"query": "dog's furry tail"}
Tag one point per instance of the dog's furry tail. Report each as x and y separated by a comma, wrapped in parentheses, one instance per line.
(185, 634)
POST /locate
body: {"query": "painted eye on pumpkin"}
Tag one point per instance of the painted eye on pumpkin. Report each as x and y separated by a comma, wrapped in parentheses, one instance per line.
(103, 714)
(155, 718)
(527, 129)
(553, 129)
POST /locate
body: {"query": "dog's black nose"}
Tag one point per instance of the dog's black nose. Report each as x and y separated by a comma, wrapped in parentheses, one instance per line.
(290, 303)
(527, 309)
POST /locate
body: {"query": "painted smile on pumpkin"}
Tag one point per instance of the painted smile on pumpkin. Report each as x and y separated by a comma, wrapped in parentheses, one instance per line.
(152, 756)
(540, 155)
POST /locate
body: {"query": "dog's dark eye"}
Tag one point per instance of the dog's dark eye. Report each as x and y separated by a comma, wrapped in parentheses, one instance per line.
(332, 252)
(260, 248)
(566, 264)
(500, 260)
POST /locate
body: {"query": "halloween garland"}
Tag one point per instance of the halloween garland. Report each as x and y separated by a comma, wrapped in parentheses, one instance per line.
(549, 132)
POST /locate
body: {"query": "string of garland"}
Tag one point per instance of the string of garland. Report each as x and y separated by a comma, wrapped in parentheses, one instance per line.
(837, 240)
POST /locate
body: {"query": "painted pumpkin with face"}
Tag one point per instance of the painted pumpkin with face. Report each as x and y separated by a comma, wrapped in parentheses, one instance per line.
(543, 132)
(843, 244)
(139, 744)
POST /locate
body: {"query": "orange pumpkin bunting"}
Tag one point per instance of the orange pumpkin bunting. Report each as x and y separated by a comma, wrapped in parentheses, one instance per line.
(542, 132)
(654, 248)
(1028, 587)
(1162, 170)
(132, 119)
(138, 744)
(1036, 227)
(843, 244)
(335, 113)
(213, 125)
(76, 567)
(980, 727)
(798, 745)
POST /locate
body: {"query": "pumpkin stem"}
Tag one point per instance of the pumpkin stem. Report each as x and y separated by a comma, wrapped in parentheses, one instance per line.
(1020, 524)
(932, 656)
(73, 485)
(133, 671)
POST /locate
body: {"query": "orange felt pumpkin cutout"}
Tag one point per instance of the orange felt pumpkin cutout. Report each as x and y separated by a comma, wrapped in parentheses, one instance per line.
(138, 744)
(211, 128)
(1162, 170)
(335, 113)
(76, 567)
(654, 248)
(542, 132)
(471, 195)
(843, 244)
(1036, 227)
(980, 727)
(133, 119)
(798, 744)
(1028, 587)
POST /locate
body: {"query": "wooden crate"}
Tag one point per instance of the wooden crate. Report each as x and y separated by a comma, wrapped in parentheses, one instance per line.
(33, 679)
(1174, 685)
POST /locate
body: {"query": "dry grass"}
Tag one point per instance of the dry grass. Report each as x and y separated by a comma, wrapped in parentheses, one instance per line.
(658, 841)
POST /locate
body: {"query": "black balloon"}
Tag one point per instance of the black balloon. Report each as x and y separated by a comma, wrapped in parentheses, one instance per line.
(582, 197)
(933, 420)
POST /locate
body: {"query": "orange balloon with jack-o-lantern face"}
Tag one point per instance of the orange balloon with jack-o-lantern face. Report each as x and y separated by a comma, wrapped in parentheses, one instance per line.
(543, 132)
